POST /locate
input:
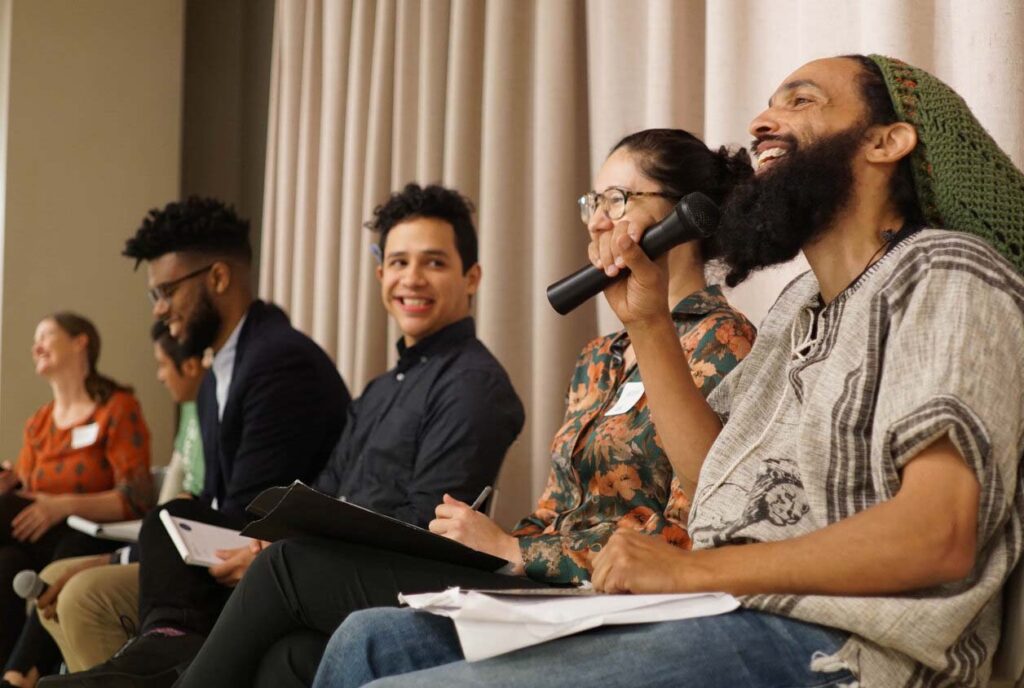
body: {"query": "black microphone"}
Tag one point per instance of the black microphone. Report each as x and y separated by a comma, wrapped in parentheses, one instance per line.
(28, 585)
(694, 217)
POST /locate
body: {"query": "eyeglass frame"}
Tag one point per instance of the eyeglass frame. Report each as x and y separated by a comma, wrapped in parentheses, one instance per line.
(165, 290)
(584, 201)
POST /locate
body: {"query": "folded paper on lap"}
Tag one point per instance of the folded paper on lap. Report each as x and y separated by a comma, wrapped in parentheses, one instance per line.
(493, 623)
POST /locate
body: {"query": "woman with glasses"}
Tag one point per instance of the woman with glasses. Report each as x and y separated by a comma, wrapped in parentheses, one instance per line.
(608, 445)
(84, 453)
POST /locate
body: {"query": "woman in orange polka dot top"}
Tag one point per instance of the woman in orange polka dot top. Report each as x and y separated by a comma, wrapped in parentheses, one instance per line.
(86, 452)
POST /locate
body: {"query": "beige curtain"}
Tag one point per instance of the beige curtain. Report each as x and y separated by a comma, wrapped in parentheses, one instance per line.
(516, 102)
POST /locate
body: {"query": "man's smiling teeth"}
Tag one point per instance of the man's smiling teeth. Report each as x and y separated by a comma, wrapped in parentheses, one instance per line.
(414, 302)
(770, 154)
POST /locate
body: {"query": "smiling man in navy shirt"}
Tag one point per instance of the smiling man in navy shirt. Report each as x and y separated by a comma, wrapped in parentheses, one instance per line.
(441, 420)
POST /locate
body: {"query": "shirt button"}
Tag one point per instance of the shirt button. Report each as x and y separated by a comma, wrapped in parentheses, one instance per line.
(400, 377)
(423, 359)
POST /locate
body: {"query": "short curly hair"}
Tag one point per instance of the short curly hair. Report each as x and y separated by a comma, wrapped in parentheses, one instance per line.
(200, 225)
(432, 201)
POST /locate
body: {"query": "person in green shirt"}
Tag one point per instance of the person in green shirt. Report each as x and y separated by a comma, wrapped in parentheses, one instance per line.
(181, 376)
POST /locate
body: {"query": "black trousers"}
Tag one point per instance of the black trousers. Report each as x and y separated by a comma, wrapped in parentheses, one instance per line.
(171, 592)
(273, 630)
(59, 542)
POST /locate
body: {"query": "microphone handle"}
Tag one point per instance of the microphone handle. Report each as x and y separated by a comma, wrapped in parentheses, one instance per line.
(568, 293)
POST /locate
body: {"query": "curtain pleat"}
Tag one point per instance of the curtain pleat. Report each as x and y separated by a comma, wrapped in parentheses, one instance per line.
(372, 331)
(463, 117)
(336, 44)
(505, 212)
(306, 166)
(560, 164)
(516, 103)
(435, 27)
(350, 228)
(291, 23)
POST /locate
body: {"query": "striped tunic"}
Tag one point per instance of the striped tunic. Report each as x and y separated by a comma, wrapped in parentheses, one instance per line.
(832, 403)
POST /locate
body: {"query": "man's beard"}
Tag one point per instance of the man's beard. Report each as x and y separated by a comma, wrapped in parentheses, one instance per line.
(201, 329)
(768, 219)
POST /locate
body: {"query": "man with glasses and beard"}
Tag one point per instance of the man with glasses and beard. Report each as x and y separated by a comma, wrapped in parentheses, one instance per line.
(271, 409)
(855, 479)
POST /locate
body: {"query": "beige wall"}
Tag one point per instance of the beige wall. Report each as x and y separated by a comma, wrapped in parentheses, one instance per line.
(93, 142)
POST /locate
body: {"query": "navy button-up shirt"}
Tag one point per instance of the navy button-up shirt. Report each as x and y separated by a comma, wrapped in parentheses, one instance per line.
(440, 421)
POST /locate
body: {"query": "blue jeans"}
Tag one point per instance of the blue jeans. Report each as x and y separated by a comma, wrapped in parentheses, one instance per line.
(742, 648)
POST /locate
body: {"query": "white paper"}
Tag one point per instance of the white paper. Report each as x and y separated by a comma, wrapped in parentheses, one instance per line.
(120, 531)
(197, 542)
(628, 396)
(84, 435)
(490, 625)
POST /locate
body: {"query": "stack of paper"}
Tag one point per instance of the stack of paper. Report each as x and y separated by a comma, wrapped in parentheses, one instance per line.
(496, 622)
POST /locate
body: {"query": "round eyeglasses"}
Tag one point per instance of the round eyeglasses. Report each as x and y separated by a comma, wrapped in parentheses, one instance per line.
(612, 201)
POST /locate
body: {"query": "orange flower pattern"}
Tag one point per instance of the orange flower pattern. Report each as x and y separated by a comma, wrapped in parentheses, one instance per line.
(610, 472)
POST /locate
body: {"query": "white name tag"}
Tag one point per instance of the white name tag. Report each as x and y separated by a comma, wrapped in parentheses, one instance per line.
(628, 396)
(84, 435)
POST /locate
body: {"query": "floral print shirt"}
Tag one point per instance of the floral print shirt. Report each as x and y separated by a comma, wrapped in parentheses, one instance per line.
(610, 471)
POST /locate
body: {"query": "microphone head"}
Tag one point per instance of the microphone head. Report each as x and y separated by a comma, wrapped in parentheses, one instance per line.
(27, 584)
(701, 213)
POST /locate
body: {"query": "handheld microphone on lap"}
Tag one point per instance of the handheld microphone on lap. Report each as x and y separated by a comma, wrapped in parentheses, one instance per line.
(694, 217)
(28, 585)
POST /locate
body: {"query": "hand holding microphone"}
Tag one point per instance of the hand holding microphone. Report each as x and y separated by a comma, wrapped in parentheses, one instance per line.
(694, 217)
(28, 585)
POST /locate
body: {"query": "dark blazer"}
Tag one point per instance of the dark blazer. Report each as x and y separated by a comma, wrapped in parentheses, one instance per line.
(285, 410)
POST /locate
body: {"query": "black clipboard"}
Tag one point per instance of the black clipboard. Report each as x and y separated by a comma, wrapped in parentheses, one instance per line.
(299, 510)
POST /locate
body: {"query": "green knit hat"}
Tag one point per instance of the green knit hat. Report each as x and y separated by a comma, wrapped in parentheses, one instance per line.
(963, 179)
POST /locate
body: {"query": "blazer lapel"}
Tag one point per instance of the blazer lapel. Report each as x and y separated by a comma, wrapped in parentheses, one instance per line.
(209, 429)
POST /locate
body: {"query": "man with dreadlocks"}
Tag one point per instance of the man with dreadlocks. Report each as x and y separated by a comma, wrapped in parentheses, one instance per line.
(855, 479)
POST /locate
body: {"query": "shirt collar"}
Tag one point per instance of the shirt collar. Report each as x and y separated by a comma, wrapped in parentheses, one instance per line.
(445, 338)
(700, 302)
(225, 358)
